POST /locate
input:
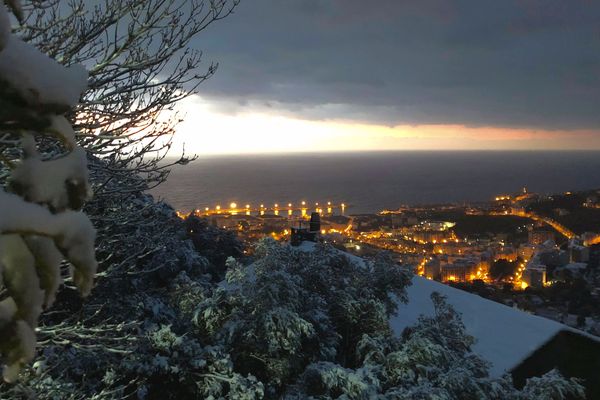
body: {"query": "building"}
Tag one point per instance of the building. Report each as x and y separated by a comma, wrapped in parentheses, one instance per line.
(592, 202)
(561, 212)
(459, 270)
(451, 247)
(432, 236)
(526, 251)
(230, 221)
(573, 353)
(579, 254)
(539, 236)
(572, 270)
(505, 253)
(433, 269)
(437, 225)
(547, 255)
(535, 276)
(403, 219)
(271, 222)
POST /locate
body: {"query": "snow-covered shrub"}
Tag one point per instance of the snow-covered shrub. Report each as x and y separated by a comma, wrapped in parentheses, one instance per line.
(116, 343)
(38, 225)
(329, 380)
(552, 386)
(292, 308)
(217, 245)
(176, 366)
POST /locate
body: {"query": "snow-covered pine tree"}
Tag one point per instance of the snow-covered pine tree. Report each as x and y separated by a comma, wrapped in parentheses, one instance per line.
(39, 224)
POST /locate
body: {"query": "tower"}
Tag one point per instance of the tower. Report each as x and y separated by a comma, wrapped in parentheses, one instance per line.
(315, 222)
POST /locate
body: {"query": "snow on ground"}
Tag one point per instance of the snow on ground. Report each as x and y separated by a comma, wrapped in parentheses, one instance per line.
(309, 246)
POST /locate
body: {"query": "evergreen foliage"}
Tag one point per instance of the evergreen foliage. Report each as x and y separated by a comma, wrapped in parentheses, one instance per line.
(217, 245)
(292, 308)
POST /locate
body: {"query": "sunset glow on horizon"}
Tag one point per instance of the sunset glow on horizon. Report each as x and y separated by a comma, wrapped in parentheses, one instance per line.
(205, 130)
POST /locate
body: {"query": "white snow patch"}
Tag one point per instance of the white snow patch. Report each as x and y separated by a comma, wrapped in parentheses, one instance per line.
(37, 77)
(72, 231)
(45, 181)
(62, 126)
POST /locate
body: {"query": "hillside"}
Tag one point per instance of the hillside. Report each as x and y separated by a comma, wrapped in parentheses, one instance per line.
(569, 210)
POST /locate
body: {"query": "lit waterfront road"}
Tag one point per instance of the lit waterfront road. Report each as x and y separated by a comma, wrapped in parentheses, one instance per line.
(563, 230)
(288, 208)
(592, 241)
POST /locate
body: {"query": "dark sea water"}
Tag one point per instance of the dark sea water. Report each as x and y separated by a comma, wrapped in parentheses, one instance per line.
(374, 181)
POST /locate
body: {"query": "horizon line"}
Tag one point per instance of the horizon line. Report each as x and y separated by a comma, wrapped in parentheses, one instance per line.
(325, 152)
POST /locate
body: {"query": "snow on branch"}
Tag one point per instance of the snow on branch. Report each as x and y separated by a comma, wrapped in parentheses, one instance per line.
(39, 224)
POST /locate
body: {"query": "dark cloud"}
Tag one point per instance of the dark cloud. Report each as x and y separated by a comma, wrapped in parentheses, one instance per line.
(526, 63)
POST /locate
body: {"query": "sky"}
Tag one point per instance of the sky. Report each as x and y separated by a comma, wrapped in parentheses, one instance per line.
(350, 75)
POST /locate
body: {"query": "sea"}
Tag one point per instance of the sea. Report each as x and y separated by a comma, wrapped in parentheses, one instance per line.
(372, 181)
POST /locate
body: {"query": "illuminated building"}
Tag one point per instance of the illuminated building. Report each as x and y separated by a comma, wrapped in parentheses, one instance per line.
(272, 222)
(437, 225)
(460, 270)
(505, 253)
(432, 269)
(451, 247)
(427, 236)
(539, 236)
(534, 276)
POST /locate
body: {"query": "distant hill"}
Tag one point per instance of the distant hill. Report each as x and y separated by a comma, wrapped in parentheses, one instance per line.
(569, 209)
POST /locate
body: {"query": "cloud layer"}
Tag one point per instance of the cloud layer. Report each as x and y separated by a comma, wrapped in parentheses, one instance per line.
(510, 63)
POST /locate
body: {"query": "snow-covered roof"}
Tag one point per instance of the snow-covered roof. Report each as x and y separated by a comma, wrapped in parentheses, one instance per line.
(504, 336)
